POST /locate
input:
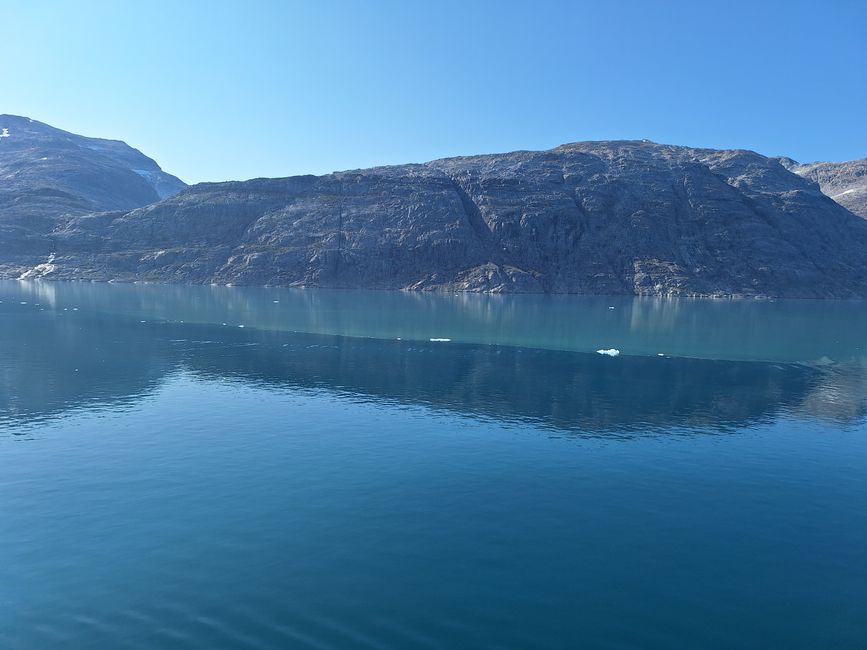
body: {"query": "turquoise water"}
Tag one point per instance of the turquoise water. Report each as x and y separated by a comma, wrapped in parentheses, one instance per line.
(327, 477)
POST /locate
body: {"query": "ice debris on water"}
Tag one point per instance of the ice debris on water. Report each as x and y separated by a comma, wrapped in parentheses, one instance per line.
(610, 352)
(440, 340)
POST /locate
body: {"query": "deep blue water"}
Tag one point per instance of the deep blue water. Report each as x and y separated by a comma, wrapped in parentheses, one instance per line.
(328, 477)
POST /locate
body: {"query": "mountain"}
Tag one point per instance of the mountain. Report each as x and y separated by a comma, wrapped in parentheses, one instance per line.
(845, 182)
(47, 174)
(592, 217)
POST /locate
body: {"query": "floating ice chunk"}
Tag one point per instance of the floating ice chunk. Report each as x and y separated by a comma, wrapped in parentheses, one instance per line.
(240, 326)
(440, 340)
(660, 354)
(611, 308)
(610, 352)
(4, 133)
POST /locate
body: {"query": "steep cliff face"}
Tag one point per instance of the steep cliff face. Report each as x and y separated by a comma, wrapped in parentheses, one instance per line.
(845, 182)
(639, 217)
(594, 217)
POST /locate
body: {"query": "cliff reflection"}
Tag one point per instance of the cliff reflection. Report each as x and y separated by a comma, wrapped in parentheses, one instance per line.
(55, 362)
(800, 331)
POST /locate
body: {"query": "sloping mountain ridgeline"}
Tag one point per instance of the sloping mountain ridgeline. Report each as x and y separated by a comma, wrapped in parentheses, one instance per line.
(845, 182)
(593, 217)
(48, 175)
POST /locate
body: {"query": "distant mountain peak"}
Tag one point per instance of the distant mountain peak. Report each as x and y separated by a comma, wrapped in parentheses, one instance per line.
(28, 142)
(845, 182)
(48, 175)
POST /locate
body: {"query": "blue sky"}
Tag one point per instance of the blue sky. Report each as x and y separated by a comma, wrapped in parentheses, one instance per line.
(232, 90)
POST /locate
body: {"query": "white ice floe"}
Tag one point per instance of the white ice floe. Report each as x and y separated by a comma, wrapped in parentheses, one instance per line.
(611, 308)
(4, 133)
(660, 354)
(40, 270)
(610, 352)
(440, 340)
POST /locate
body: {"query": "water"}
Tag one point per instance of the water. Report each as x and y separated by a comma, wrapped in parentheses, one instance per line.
(328, 477)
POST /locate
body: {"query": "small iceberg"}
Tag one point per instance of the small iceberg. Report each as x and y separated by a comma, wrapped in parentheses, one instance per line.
(610, 352)
(440, 340)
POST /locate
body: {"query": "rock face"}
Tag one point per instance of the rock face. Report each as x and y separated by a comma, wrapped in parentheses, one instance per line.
(845, 182)
(594, 217)
(47, 175)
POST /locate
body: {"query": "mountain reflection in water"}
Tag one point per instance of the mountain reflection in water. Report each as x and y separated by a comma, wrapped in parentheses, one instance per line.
(67, 347)
(327, 476)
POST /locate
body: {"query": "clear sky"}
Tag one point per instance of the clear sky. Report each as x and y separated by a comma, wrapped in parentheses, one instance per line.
(222, 90)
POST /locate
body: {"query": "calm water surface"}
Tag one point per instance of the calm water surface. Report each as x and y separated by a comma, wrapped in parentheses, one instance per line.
(326, 476)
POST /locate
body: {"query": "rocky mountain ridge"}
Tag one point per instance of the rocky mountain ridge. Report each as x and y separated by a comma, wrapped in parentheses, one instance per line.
(845, 182)
(630, 217)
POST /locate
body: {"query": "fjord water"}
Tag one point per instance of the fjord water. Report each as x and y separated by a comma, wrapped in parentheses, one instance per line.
(326, 476)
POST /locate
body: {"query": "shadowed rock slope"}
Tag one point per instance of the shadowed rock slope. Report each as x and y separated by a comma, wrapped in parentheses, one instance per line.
(594, 217)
